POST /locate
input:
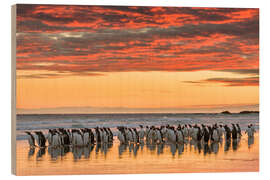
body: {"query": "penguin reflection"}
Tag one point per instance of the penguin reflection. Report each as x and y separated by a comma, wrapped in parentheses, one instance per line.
(215, 147)
(235, 143)
(227, 145)
(180, 148)
(98, 146)
(173, 148)
(77, 152)
(199, 146)
(121, 149)
(135, 150)
(250, 141)
(160, 148)
(31, 152)
(151, 146)
(206, 149)
(41, 152)
(54, 152)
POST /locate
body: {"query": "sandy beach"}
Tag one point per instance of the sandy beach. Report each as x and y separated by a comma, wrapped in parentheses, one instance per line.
(119, 159)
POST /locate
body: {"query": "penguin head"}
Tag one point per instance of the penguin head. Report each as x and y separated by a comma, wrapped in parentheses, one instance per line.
(27, 132)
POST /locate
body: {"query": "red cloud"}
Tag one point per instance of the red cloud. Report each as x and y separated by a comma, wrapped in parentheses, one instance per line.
(110, 39)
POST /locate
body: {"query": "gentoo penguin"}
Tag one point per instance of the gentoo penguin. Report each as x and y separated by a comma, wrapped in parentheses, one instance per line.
(31, 139)
(77, 138)
(159, 135)
(111, 135)
(98, 137)
(195, 132)
(239, 130)
(234, 132)
(220, 131)
(172, 135)
(252, 128)
(120, 135)
(190, 130)
(249, 132)
(64, 137)
(105, 136)
(130, 136)
(49, 137)
(56, 139)
(185, 131)
(136, 135)
(215, 134)
(199, 134)
(86, 137)
(141, 134)
(227, 132)
(147, 133)
(210, 130)
(102, 134)
(92, 136)
(205, 135)
(179, 135)
(40, 139)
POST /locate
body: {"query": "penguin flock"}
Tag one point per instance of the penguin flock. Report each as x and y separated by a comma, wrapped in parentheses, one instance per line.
(70, 137)
(81, 142)
(148, 134)
(172, 134)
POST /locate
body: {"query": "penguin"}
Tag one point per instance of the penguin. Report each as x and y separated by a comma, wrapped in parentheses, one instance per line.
(141, 134)
(179, 135)
(77, 138)
(185, 131)
(120, 135)
(205, 135)
(252, 128)
(40, 139)
(238, 130)
(105, 136)
(220, 131)
(49, 137)
(199, 134)
(86, 137)
(102, 134)
(31, 139)
(210, 130)
(234, 132)
(172, 135)
(130, 135)
(249, 132)
(215, 135)
(56, 140)
(98, 137)
(159, 135)
(64, 137)
(136, 135)
(195, 132)
(190, 130)
(92, 136)
(111, 135)
(227, 132)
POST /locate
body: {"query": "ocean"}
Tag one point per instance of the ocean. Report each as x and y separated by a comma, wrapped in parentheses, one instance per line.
(43, 122)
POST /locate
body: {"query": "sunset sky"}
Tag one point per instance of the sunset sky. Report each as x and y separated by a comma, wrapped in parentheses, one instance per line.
(111, 59)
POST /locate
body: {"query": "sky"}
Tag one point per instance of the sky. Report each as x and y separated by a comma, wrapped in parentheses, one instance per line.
(123, 59)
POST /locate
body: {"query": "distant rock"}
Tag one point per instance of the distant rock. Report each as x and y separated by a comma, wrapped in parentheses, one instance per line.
(226, 112)
(248, 112)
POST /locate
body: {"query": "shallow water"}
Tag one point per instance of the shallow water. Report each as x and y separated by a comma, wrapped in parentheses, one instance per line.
(43, 122)
(242, 156)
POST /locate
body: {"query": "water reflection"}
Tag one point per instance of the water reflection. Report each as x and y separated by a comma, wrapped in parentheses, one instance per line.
(250, 141)
(133, 149)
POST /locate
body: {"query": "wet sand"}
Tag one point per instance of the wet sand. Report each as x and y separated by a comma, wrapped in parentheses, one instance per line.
(242, 156)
